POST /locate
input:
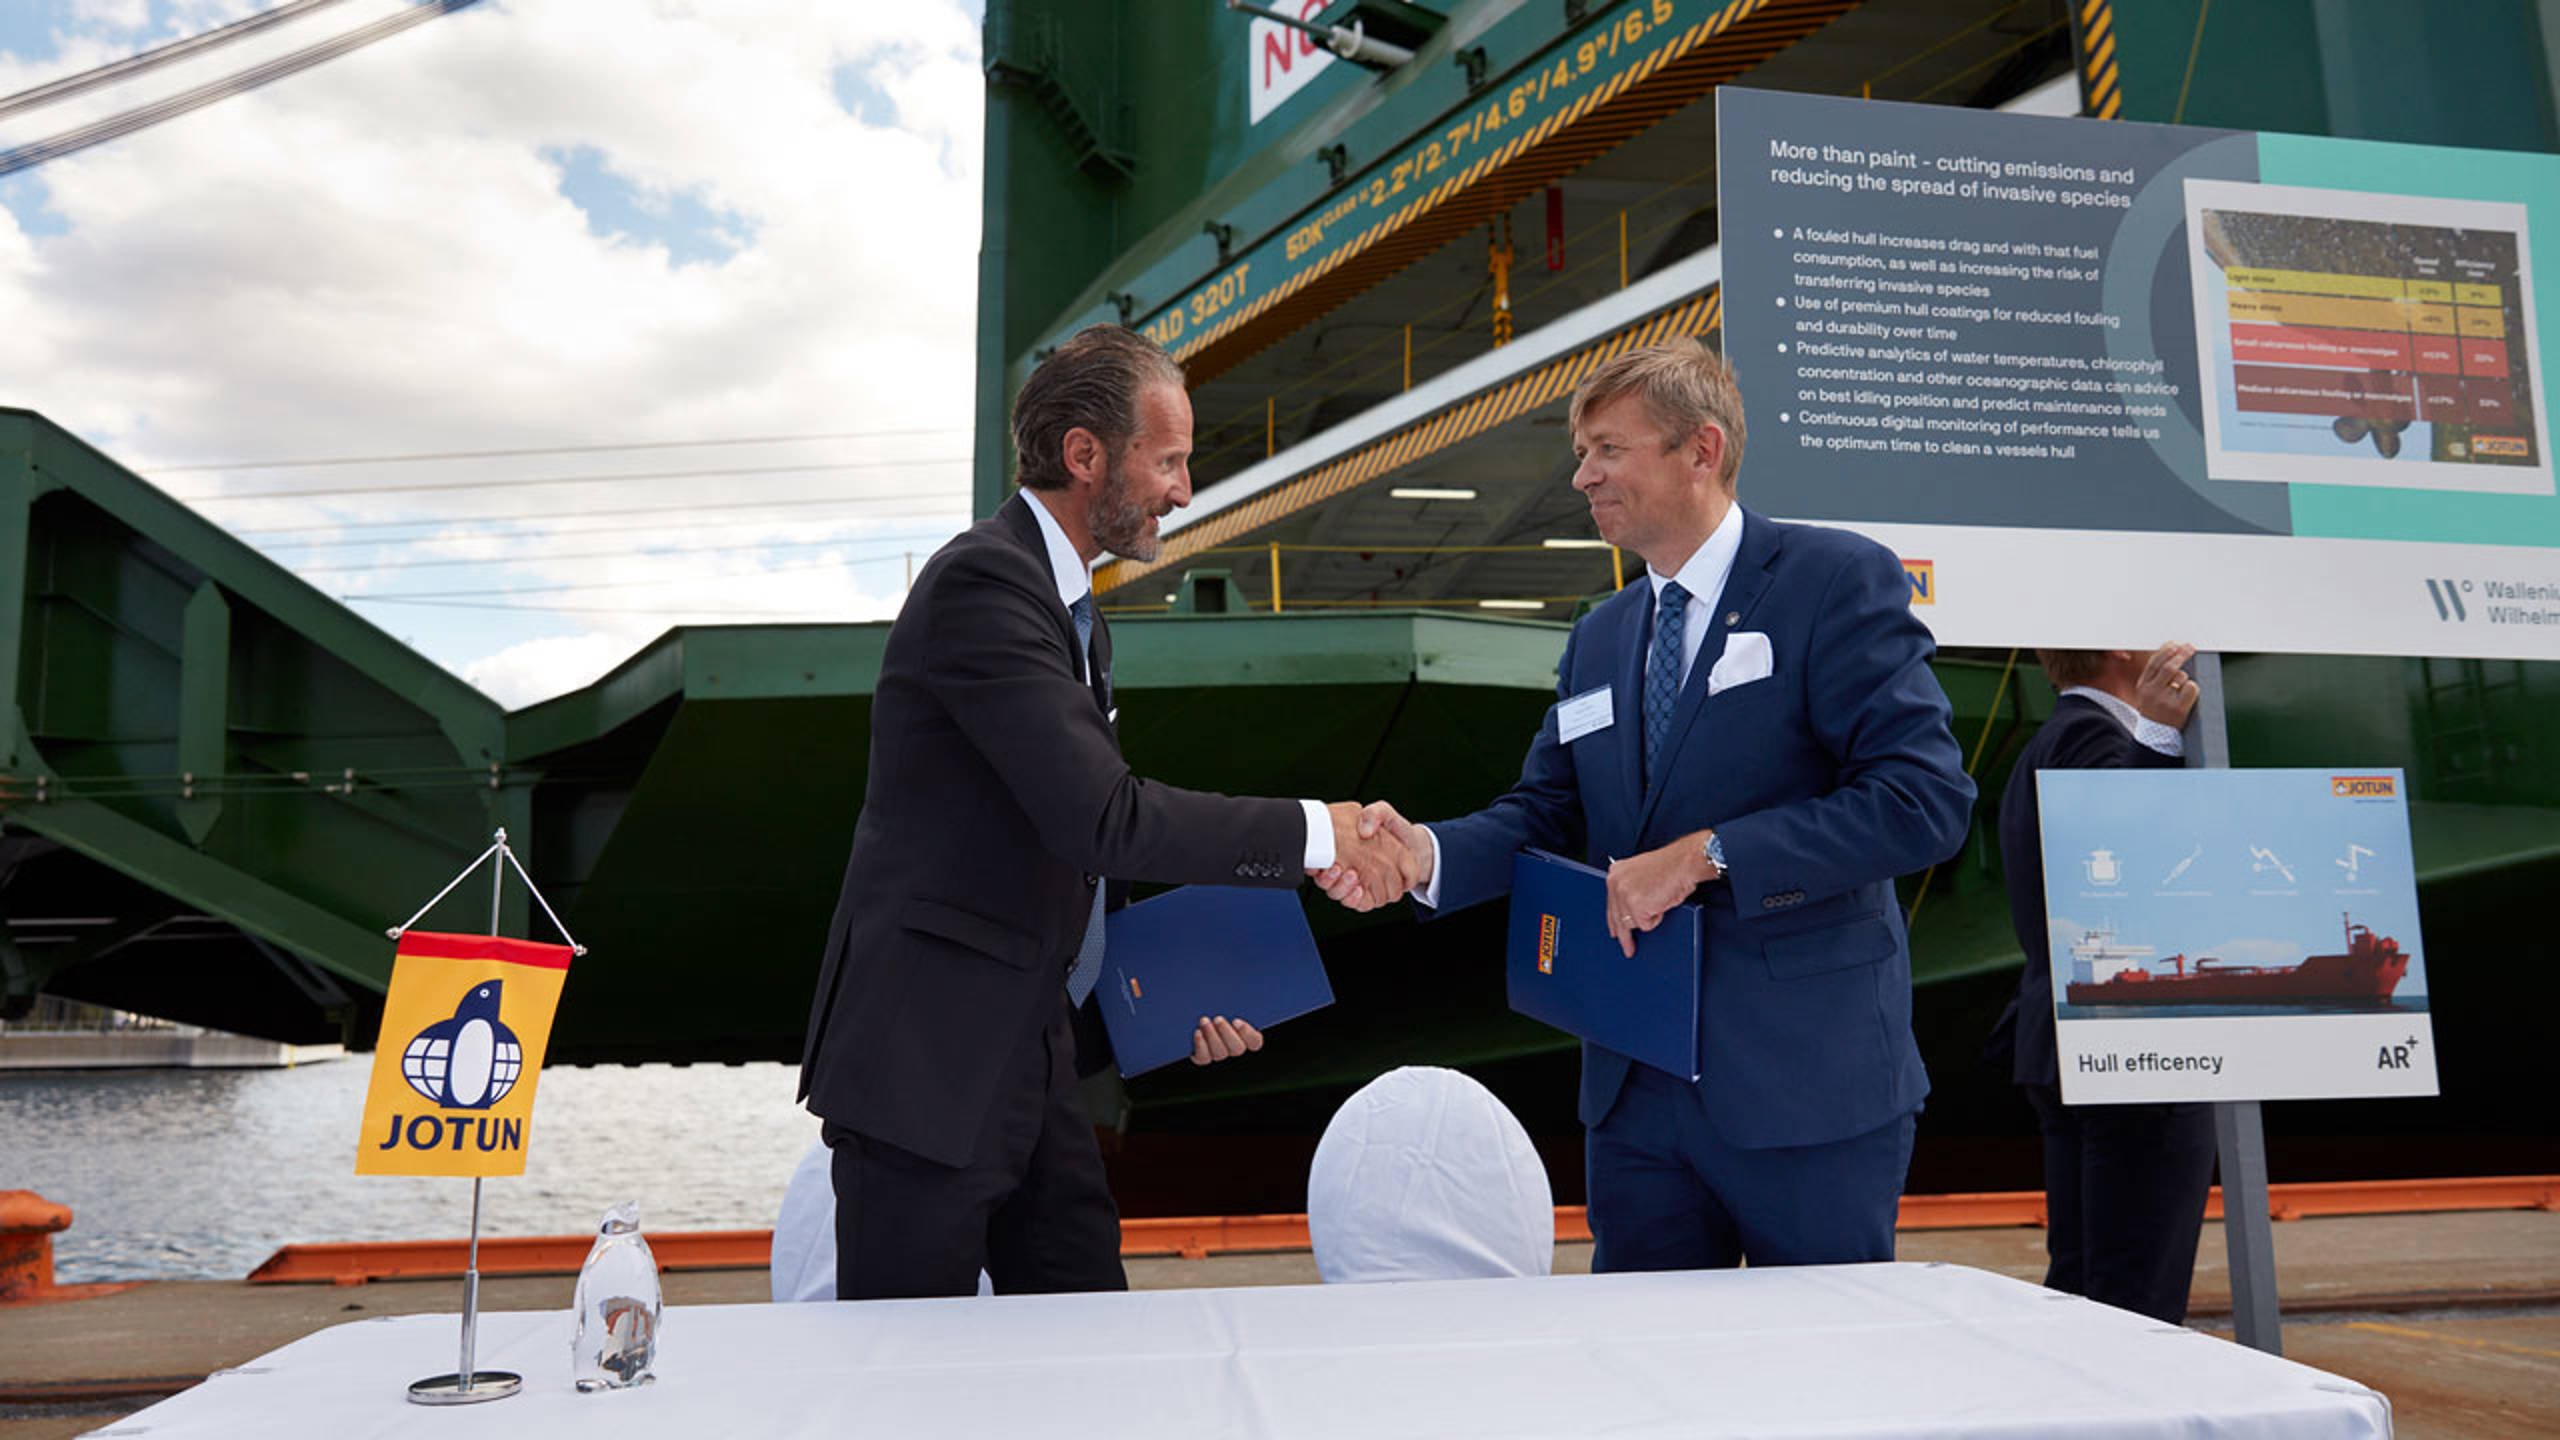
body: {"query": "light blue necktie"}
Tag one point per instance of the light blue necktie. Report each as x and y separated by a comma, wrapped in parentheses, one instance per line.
(1089, 957)
(1662, 670)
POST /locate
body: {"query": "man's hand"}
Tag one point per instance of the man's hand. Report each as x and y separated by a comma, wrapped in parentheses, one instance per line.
(1377, 824)
(2165, 692)
(1222, 1039)
(1370, 864)
(1643, 888)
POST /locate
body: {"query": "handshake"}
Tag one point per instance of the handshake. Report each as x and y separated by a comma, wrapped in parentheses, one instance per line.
(1378, 855)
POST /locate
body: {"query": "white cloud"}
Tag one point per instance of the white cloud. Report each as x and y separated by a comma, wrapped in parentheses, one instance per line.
(376, 257)
(535, 669)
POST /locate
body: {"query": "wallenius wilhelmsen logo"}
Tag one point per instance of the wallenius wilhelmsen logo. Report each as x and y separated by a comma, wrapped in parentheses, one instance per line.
(2448, 599)
(470, 1061)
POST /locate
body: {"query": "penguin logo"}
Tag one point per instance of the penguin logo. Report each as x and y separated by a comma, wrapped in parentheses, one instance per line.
(469, 1062)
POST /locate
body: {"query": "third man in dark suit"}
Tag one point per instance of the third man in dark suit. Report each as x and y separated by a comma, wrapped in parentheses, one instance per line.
(2124, 1184)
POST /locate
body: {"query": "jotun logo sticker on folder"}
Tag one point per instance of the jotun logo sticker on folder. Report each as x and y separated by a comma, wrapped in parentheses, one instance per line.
(1564, 969)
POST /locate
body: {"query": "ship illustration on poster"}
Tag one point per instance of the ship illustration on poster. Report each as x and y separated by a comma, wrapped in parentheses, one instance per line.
(2122, 981)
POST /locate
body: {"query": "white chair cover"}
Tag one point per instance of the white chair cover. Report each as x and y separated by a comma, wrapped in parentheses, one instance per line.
(1424, 1175)
(804, 1235)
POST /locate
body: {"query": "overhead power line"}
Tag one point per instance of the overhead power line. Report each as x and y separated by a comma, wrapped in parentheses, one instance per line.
(957, 502)
(624, 553)
(560, 450)
(642, 528)
(657, 580)
(434, 485)
(116, 127)
(537, 607)
(155, 57)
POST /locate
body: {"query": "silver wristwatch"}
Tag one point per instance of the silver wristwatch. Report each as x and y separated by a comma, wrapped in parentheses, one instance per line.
(1714, 849)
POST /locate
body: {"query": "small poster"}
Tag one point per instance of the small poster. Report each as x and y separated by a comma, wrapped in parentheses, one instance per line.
(2234, 935)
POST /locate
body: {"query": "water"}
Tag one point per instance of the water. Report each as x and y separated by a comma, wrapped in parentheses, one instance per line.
(183, 1174)
(2403, 1005)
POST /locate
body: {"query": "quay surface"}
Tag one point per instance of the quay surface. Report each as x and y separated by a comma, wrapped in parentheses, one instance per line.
(2454, 1316)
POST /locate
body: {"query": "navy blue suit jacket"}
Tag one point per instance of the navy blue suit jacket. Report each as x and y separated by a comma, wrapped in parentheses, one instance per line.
(1825, 780)
(2080, 736)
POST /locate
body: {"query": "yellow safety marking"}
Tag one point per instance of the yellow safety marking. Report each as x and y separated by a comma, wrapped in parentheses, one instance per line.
(1663, 54)
(2407, 1332)
(2098, 59)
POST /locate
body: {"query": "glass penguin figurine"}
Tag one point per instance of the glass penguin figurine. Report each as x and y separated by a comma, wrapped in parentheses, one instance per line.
(618, 1307)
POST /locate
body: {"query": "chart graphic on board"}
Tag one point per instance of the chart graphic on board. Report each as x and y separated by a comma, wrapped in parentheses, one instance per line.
(2349, 338)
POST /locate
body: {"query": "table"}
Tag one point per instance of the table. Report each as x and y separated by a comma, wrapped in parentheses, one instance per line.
(1846, 1350)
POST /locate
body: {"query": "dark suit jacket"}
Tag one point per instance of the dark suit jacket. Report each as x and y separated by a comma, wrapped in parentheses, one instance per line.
(2080, 736)
(996, 798)
(1825, 780)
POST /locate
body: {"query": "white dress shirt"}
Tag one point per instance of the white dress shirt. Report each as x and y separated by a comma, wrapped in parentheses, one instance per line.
(1075, 581)
(2154, 736)
(1703, 575)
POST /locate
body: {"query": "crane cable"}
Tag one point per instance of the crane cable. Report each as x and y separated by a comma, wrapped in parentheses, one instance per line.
(154, 58)
(116, 127)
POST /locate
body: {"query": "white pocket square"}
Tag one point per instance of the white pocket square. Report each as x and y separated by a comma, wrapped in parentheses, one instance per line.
(1745, 659)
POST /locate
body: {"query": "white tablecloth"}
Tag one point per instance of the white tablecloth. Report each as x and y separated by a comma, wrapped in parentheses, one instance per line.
(1851, 1350)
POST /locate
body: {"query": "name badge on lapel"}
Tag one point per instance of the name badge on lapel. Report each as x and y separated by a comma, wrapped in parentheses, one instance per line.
(1591, 710)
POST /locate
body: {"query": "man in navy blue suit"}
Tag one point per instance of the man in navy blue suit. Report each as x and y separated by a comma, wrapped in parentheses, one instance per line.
(2124, 1185)
(1755, 729)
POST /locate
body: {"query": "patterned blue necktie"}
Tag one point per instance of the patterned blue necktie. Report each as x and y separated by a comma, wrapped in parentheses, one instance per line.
(1088, 967)
(1662, 670)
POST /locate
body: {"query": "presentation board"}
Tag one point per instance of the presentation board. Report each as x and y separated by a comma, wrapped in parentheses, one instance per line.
(2100, 382)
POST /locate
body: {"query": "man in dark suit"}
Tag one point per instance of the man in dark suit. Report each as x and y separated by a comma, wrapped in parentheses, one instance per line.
(2124, 1185)
(941, 1052)
(1754, 729)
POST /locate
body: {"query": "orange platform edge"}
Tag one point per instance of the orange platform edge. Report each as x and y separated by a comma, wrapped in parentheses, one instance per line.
(354, 1263)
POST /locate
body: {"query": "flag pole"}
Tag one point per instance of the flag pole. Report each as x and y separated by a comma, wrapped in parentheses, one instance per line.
(465, 1386)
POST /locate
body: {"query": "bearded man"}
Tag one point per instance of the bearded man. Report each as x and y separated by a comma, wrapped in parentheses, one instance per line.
(943, 1049)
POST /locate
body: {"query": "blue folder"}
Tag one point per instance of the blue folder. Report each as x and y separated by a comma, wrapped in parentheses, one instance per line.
(1565, 970)
(1246, 954)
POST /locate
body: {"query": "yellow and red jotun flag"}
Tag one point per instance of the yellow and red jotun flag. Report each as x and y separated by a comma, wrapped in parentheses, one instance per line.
(463, 1031)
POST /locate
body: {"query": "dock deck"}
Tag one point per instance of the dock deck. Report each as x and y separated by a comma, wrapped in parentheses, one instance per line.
(2454, 1316)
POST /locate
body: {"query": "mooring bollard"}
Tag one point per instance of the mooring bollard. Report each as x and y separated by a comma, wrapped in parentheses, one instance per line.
(27, 1224)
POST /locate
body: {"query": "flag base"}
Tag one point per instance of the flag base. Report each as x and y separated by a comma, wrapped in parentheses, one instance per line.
(448, 1390)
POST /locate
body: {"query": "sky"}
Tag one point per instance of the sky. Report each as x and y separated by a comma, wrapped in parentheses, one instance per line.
(528, 226)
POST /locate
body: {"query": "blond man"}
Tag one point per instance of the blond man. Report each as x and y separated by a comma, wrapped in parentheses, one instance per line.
(1752, 727)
